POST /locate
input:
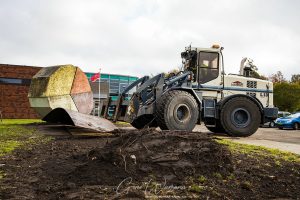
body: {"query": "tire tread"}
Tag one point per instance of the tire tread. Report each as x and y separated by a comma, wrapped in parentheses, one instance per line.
(224, 109)
(162, 107)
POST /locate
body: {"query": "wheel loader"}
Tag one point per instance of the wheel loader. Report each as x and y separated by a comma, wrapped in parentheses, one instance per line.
(236, 104)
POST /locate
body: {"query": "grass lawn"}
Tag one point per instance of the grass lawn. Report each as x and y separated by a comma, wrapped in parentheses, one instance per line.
(14, 134)
(254, 150)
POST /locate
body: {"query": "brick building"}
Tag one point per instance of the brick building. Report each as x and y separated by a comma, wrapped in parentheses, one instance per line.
(14, 86)
(15, 81)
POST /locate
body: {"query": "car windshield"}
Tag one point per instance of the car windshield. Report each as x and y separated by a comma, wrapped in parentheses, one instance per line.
(294, 115)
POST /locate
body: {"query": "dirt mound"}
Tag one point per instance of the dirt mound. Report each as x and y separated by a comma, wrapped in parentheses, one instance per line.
(170, 156)
(144, 164)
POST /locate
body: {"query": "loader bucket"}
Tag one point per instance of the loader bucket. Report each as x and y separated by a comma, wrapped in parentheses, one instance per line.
(73, 118)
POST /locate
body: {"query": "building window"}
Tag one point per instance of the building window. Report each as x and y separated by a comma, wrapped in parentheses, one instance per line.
(15, 81)
(116, 83)
(114, 86)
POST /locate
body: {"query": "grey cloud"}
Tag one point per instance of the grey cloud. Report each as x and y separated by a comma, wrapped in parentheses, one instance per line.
(146, 36)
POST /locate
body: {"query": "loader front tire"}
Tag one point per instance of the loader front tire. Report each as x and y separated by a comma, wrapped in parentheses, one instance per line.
(240, 117)
(177, 110)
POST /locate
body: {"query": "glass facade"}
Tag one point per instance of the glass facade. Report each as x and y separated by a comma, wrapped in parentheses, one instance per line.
(117, 83)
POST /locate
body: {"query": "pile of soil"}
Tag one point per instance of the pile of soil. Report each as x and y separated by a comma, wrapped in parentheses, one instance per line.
(170, 156)
(140, 164)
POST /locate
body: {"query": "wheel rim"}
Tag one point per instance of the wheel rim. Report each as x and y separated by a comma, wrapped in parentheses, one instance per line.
(296, 126)
(182, 112)
(240, 117)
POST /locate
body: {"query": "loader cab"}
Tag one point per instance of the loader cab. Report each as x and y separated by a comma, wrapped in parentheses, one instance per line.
(203, 62)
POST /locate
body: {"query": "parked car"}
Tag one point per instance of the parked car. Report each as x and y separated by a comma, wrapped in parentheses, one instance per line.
(291, 121)
(283, 114)
(272, 124)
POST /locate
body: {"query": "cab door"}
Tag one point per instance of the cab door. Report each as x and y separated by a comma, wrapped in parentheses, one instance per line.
(208, 66)
(209, 78)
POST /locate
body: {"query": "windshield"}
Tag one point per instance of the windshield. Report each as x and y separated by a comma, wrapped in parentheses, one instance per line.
(294, 115)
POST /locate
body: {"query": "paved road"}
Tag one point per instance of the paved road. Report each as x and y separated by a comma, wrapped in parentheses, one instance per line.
(286, 140)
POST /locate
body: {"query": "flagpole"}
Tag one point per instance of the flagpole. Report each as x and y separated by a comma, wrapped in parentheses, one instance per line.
(99, 93)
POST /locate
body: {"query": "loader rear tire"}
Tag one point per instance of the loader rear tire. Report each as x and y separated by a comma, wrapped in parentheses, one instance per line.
(218, 129)
(177, 110)
(240, 117)
(144, 121)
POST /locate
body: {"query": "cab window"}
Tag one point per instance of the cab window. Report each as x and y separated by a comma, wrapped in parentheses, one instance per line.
(208, 66)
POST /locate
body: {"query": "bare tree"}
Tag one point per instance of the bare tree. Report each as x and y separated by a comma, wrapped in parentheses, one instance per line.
(295, 78)
(277, 78)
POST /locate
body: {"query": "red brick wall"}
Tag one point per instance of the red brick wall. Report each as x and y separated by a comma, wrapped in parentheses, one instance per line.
(13, 98)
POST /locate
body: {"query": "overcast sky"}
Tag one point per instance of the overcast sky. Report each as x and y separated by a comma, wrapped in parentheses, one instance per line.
(139, 37)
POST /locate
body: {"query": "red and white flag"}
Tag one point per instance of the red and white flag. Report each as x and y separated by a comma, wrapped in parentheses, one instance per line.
(95, 77)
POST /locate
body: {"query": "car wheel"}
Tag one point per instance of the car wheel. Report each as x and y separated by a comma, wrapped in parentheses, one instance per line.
(296, 126)
(272, 124)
